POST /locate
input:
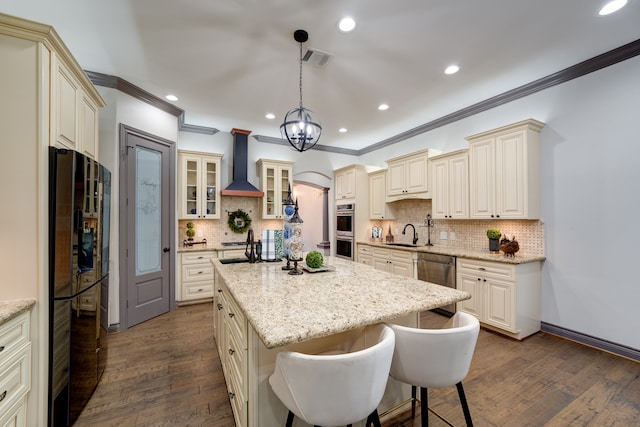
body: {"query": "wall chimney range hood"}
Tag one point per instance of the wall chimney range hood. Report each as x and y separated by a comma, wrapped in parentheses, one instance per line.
(240, 186)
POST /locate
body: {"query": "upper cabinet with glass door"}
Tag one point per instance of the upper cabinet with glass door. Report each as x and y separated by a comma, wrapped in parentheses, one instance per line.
(276, 178)
(198, 185)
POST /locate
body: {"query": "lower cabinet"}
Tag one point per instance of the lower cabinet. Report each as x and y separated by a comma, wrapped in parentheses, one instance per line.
(393, 261)
(504, 297)
(231, 338)
(15, 370)
(196, 275)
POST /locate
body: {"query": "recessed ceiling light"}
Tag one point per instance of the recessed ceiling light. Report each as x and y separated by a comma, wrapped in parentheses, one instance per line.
(171, 98)
(452, 69)
(346, 24)
(342, 130)
(383, 107)
(612, 6)
(270, 116)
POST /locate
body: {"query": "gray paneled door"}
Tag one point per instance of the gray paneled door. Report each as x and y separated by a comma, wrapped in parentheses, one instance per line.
(147, 209)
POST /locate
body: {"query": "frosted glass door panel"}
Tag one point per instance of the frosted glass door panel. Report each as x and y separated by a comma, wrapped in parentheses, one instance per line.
(148, 211)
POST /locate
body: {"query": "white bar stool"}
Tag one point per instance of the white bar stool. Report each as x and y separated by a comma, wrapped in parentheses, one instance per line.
(335, 389)
(435, 358)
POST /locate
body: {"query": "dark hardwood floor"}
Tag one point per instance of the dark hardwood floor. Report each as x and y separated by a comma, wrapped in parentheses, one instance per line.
(166, 372)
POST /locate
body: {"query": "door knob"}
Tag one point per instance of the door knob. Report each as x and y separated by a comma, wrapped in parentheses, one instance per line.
(166, 249)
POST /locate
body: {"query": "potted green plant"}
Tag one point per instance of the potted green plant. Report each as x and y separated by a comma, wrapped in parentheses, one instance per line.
(494, 239)
(190, 231)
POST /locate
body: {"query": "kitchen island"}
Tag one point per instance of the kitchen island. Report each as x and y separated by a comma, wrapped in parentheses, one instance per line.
(261, 310)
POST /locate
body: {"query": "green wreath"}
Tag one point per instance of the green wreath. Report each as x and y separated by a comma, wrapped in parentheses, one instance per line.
(239, 221)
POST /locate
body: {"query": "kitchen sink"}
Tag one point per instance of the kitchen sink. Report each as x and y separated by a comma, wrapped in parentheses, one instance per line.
(233, 260)
(234, 243)
(404, 245)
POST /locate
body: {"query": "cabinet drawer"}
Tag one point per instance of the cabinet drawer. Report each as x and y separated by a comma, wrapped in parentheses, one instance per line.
(236, 356)
(488, 269)
(232, 253)
(13, 335)
(380, 252)
(401, 256)
(199, 290)
(236, 321)
(238, 401)
(15, 377)
(364, 249)
(197, 273)
(197, 257)
(15, 416)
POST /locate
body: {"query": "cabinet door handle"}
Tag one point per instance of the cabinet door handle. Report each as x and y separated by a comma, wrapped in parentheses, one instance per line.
(3, 395)
(1, 348)
(231, 351)
(219, 306)
(166, 249)
(482, 269)
(231, 395)
(479, 279)
(199, 272)
(231, 315)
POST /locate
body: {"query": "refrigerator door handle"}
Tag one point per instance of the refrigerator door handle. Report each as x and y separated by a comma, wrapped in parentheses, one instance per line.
(78, 220)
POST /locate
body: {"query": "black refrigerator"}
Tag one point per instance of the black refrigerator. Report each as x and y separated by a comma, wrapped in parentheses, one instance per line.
(79, 206)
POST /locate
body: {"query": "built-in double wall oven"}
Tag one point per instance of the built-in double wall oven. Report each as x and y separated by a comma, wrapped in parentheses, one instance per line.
(344, 231)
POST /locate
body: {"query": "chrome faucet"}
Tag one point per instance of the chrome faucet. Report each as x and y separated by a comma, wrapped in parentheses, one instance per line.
(415, 235)
(250, 251)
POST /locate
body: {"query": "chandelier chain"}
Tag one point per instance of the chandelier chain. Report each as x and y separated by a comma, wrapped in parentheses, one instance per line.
(300, 83)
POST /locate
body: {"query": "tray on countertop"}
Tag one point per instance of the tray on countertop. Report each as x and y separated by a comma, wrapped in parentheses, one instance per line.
(319, 269)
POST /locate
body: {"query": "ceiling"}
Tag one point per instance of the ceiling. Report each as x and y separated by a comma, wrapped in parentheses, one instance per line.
(232, 61)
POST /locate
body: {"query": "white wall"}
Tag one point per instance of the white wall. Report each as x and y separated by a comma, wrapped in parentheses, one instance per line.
(124, 109)
(588, 148)
(589, 155)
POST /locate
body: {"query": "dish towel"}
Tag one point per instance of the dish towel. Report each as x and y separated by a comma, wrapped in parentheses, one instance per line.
(279, 240)
(268, 245)
(272, 244)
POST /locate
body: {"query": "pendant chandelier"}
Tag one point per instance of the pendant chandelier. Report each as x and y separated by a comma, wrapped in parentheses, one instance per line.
(299, 128)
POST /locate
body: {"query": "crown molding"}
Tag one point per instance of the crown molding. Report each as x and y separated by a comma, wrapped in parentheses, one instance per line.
(583, 68)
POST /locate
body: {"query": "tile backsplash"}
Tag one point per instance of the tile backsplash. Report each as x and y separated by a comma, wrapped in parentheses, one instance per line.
(216, 231)
(469, 234)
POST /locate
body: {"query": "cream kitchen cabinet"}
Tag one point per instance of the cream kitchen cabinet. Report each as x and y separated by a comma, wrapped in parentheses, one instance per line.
(504, 177)
(75, 124)
(378, 207)
(195, 281)
(394, 261)
(15, 370)
(34, 58)
(351, 183)
(198, 185)
(276, 178)
(504, 297)
(232, 338)
(365, 254)
(450, 185)
(408, 176)
(345, 183)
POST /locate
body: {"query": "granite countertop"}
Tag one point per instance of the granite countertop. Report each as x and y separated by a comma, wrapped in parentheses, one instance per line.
(11, 309)
(518, 258)
(285, 309)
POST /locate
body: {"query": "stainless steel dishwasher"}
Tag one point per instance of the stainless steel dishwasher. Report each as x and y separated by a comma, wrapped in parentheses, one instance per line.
(441, 270)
